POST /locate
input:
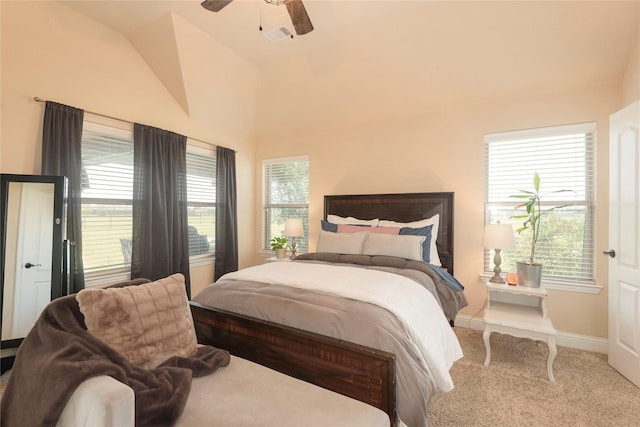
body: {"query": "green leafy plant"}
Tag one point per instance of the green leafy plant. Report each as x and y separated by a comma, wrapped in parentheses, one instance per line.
(533, 217)
(278, 243)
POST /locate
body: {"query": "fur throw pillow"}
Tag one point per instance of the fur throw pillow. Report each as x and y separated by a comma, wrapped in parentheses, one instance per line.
(147, 323)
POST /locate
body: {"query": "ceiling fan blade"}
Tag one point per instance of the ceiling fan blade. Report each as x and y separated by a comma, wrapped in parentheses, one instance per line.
(215, 5)
(299, 17)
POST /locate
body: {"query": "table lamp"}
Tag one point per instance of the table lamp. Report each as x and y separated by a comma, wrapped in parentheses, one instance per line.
(293, 228)
(497, 237)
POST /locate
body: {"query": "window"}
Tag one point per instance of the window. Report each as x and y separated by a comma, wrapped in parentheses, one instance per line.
(107, 188)
(563, 156)
(201, 199)
(285, 195)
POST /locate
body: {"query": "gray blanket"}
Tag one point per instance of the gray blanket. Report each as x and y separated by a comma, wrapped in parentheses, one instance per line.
(355, 321)
(451, 298)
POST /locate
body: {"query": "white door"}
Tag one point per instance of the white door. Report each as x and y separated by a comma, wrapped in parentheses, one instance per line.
(33, 269)
(624, 239)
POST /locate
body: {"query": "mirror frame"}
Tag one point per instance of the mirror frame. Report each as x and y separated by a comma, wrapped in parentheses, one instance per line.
(59, 270)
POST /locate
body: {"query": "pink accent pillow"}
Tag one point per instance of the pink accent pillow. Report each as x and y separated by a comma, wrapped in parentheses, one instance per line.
(343, 228)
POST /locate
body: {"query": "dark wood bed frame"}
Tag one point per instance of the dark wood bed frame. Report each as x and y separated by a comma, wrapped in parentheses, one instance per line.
(360, 372)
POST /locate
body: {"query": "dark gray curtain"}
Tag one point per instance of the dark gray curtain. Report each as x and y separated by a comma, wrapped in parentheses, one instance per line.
(226, 213)
(61, 156)
(160, 224)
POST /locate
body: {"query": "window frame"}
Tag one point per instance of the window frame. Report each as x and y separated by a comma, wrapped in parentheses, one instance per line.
(121, 272)
(495, 203)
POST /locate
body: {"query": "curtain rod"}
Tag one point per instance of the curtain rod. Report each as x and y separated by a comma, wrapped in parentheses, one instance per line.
(38, 99)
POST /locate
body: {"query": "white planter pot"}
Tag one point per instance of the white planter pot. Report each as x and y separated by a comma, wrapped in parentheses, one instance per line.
(529, 275)
(281, 253)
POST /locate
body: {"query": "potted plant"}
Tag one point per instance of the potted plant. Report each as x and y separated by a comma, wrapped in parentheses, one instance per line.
(530, 272)
(279, 244)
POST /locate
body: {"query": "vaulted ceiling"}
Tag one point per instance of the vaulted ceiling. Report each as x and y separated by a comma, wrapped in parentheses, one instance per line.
(370, 60)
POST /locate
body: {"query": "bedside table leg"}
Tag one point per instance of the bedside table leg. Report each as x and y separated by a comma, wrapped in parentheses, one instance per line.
(487, 345)
(552, 355)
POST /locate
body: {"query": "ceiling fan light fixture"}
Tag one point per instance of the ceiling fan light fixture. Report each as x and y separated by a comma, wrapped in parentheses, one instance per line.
(277, 2)
(298, 13)
(277, 34)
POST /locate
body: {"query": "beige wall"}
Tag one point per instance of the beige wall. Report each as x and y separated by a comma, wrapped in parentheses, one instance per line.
(445, 152)
(631, 81)
(52, 52)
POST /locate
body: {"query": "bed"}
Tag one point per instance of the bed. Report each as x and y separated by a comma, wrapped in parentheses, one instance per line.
(366, 305)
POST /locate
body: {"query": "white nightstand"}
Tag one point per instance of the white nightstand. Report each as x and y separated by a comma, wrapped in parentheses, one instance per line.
(518, 311)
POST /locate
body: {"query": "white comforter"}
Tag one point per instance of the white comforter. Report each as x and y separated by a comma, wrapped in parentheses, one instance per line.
(414, 305)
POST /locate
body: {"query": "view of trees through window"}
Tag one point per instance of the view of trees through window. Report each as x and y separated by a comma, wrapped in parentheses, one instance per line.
(286, 195)
(562, 246)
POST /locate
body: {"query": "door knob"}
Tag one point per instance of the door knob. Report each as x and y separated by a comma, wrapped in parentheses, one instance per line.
(611, 253)
(29, 265)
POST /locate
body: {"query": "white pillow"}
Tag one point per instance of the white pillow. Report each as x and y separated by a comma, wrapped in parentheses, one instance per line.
(341, 243)
(335, 219)
(434, 220)
(409, 247)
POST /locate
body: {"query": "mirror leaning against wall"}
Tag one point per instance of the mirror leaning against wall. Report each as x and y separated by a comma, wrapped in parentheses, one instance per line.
(34, 257)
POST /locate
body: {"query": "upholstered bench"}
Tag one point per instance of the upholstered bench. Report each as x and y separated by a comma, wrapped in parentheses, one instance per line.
(240, 394)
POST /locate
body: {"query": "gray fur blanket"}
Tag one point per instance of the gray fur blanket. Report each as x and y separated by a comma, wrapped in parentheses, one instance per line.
(58, 354)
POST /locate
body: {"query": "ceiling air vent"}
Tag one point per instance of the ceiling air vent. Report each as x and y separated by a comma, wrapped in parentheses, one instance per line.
(277, 34)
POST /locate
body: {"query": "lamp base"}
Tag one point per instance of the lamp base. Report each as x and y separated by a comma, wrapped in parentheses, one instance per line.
(497, 260)
(497, 279)
(293, 248)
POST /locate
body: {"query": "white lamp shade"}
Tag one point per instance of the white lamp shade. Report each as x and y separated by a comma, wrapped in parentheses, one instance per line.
(293, 227)
(498, 236)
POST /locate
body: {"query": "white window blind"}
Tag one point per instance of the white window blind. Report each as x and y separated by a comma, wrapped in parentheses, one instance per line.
(285, 195)
(107, 188)
(201, 197)
(563, 156)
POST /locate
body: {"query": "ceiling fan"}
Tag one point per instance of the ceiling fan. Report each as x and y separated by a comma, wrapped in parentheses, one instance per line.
(296, 9)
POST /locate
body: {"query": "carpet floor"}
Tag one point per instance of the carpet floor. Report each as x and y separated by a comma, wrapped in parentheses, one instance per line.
(514, 389)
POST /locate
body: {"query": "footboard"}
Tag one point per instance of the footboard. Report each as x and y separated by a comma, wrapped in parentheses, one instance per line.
(360, 372)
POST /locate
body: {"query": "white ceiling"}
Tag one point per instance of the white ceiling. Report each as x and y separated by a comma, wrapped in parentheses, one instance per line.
(392, 58)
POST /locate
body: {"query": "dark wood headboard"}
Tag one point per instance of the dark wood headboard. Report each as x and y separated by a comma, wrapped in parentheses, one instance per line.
(404, 207)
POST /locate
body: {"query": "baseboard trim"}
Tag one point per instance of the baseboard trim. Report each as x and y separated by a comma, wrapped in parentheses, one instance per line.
(566, 339)
(583, 342)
